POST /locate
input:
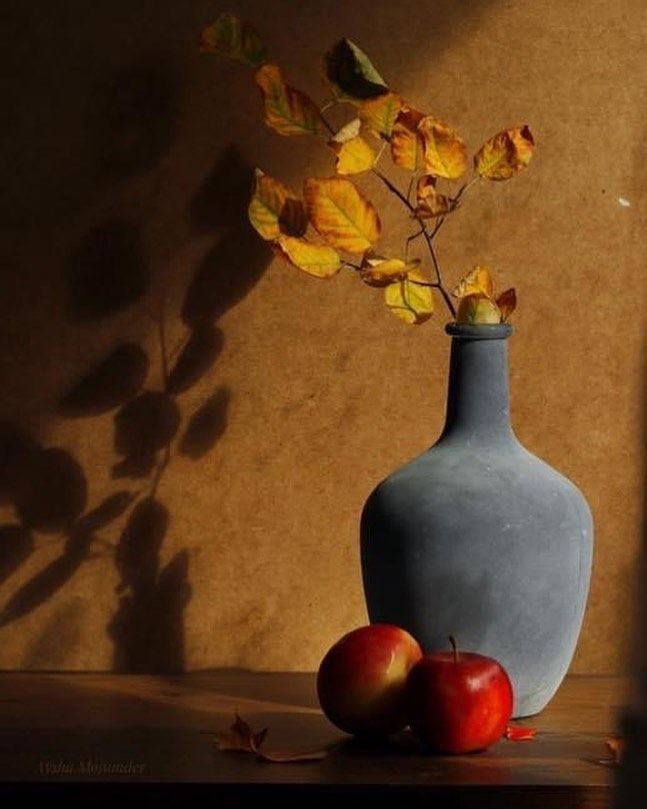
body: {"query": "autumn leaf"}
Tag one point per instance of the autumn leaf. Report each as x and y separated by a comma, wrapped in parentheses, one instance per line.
(351, 72)
(315, 259)
(230, 37)
(478, 282)
(378, 271)
(407, 142)
(240, 737)
(616, 747)
(445, 153)
(507, 303)
(341, 214)
(477, 308)
(517, 733)
(505, 154)
(411, 302)
(275, 209)
(354, 155)
(430, 203)
(379, 114)
(287, 111)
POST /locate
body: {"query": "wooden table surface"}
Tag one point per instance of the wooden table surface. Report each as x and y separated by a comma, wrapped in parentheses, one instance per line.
(65, 733)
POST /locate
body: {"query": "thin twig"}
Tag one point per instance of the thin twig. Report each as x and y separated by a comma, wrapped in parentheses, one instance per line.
(393, 189)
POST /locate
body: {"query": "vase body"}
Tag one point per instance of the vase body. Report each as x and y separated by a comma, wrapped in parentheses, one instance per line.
(478, 538)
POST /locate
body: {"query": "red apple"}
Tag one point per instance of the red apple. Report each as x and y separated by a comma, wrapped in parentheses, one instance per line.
(361, 680)
(458, 702)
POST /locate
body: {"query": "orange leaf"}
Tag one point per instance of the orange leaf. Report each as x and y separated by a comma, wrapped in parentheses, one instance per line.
(410, 301)
(379, 114)
(477, 309)
(445, 153)
(287, 111)
(505, 154)
(378, 271)
(315, 259)
(407, 143)
(230, 37)
(430, 203)
(341, 214)
(478, 282)
(517, 733)
(616, 747)
(354, 155)
(507, 303)
(275, 209)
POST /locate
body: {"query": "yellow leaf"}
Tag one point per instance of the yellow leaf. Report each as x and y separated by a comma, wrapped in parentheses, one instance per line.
(287, 111)
(505, 154)
(341, 214)
(407, 143)
(315, 259)
(430, 202)
(478, 282)
(477, 309)
(379, 114)
(230, 37)
(411, 302)
(275, 209)
(507, 303)
(354, 155)
(377, 271)
(445, 153)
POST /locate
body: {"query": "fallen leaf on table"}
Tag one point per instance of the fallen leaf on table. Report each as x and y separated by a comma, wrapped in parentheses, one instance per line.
(616, 747)
(517, 733)
(242, 738)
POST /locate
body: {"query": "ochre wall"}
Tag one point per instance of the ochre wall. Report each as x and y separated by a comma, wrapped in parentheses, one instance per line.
(125, 170)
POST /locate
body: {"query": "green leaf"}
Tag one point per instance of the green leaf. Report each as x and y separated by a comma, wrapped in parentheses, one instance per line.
(230, 37)
(350, 70)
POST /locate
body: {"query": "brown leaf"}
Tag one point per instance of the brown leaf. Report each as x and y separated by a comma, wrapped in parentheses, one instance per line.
(430, 203)
(616, 747)
(242, 738)
(507, 303)
(274, 208)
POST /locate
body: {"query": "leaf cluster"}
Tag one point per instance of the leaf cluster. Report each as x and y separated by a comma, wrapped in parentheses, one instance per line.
(332, 224)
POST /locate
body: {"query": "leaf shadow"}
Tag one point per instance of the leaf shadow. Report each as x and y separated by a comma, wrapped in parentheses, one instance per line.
(107, 272)
(113, 381)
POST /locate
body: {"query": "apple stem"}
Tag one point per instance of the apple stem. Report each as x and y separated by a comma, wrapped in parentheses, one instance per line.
(452, 640)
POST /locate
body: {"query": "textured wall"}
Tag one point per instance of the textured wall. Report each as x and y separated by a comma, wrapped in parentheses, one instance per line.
(125, 171)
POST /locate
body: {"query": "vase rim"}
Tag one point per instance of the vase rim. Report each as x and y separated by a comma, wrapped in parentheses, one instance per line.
(479, 331)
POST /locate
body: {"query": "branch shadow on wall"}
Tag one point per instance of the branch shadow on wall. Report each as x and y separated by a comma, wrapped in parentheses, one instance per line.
(47, 486)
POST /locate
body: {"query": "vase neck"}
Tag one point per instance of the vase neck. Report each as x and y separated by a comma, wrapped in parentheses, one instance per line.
(478, 401)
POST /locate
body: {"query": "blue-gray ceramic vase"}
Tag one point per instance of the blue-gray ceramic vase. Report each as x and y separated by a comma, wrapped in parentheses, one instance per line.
(478, 538)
